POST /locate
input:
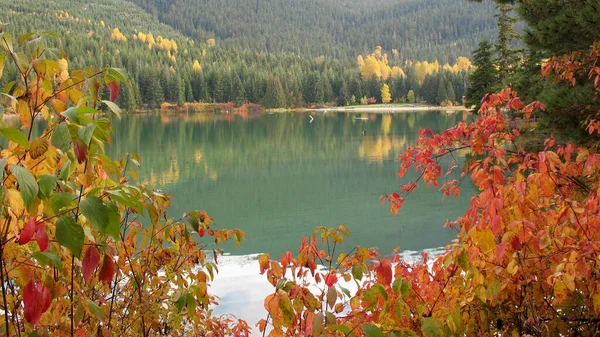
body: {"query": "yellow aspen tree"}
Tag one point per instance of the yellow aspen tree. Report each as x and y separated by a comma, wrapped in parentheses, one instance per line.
(386, 96)
(371, 68)
(397, 72)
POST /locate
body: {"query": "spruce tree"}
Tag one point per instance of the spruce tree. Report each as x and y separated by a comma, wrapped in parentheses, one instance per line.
(274, 97)
(507, 57)
(484, 77)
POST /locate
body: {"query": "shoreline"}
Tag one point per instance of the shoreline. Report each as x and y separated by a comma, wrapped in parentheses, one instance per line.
(391, 109)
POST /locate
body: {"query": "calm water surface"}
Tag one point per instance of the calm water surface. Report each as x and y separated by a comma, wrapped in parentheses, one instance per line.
(278, 176)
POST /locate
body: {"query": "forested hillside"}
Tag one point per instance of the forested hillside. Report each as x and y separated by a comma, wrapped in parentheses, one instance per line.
(419, 29)
(165, 65)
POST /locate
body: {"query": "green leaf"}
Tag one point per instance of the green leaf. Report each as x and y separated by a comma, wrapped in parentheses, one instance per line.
(114, 221)
(285, 305)
(61, 200)
(191, 305)
(95, 310)
(2, 63)
(70, 235)
(96, 212)
(192, 219)
(396, 285)
(27, 184)
(126, 199)
(86, 132)
(65, 171)
(47, 183)
(463, 261)
(405, 288)
(61, 138)
(118, 73)
(14, 135)
(431, 327)
(344, 329)
(372, 331)
(114, 108)
(357, 272)
(44, 258)
(181, 301)
(71, 114)
(381, 291)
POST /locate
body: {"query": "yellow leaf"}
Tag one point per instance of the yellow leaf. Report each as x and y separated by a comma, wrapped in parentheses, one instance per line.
(569, 281)
(596, 299)
(23, 112)
(15, 201)
(560, 292)
(484, 239)
(75, 95)
(58, 105)
(38, 147)
(512, 267)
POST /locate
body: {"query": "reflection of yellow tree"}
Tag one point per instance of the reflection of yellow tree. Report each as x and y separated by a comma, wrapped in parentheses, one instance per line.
(386, 123)
(411, 121)
(380, 149)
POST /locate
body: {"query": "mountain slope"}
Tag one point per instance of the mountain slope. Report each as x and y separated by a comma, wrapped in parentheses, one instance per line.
(421, 29)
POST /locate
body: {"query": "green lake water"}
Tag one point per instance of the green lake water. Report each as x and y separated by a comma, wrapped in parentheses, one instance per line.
(278, 176)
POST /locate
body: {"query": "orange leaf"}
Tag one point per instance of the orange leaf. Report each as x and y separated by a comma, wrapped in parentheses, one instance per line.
(384, 272)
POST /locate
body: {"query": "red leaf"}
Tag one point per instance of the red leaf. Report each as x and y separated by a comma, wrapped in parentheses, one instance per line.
(114, 88)
(330, 280)
(36, 299)
(42, 239)
(201, 232)
(27, 232)
(81, 151)
(108, 269)
(91, 259)
(384, 272)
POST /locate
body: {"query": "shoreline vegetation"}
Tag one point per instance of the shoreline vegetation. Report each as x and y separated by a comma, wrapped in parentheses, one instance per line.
(252, 109)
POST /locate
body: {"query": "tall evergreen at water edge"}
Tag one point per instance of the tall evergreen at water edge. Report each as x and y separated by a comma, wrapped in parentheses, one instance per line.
(485, 76)
(507, 57)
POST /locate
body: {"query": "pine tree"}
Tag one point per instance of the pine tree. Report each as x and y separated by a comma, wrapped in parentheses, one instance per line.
(484, 77)
(274, 97)
(238, 93)
(450, 92)
(313, 88)
(180, 91)
(507, 57)
(442, 95)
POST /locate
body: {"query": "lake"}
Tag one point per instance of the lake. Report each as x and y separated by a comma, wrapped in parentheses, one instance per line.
(278, 176)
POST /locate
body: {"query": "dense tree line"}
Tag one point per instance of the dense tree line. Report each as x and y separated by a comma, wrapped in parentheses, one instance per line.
(167, 66)
(420, 29)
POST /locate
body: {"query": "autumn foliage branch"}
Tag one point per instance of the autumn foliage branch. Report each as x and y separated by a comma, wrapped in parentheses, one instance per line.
(524, 262)
(83, 249)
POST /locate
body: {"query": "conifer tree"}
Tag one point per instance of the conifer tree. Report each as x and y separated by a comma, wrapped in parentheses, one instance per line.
(484, 77)
(274, 97)
(507, 57)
